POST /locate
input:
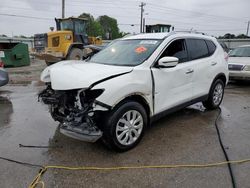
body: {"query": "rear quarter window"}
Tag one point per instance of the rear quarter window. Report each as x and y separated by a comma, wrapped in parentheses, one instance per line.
(197, 48)
(211, 47)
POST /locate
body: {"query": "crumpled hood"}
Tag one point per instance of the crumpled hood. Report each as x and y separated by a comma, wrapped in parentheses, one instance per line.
(68, 75)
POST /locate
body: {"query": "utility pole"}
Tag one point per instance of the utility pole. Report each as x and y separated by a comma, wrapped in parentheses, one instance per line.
(63, 8)
(142, 10)
(143, 26)
(248, 23)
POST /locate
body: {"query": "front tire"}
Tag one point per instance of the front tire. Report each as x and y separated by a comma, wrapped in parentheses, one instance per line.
(215, 95)
(125, 125)
(75, 54)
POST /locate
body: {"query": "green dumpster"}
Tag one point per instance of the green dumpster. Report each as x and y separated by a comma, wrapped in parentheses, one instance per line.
(16, 54)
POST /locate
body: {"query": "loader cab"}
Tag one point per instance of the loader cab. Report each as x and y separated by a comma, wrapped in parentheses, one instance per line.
(76, 25)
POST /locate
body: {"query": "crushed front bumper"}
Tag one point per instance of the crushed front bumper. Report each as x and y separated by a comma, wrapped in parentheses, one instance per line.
(83, 132)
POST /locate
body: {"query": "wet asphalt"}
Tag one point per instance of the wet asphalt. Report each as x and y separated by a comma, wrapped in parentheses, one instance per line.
(185, 137)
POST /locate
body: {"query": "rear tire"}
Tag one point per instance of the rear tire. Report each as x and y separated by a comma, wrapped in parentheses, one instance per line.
(215, 96)
(75, 54)
(125, 125)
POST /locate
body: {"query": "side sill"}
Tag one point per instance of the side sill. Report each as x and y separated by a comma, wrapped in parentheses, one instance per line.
(176, 108)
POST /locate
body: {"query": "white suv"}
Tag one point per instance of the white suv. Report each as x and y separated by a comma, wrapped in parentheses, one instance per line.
(118, 92)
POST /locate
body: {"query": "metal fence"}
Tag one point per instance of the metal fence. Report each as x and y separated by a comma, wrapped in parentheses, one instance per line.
(233, 43)
(29, 41)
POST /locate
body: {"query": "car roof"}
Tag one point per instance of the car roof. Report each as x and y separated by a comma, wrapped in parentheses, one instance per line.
(148, 36)
(160, 36)
(248, 45)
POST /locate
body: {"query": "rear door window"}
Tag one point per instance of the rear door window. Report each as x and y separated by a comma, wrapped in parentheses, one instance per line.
(197, 48)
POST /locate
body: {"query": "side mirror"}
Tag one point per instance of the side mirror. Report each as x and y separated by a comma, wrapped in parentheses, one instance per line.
(167, 62)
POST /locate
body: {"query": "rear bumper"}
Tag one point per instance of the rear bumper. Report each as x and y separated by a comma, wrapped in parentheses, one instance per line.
(4, 77)
(239, 75)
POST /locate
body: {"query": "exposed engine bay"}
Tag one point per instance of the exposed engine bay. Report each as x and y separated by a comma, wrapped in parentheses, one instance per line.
(74, 110)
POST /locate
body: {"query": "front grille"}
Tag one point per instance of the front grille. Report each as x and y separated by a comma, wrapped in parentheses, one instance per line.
(235, 67)
(55, 41)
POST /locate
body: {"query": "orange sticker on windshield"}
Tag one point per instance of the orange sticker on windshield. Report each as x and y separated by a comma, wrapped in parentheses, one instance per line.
(140, 49)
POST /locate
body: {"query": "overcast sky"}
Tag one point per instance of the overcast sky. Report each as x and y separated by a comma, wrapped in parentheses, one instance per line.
(215, 17)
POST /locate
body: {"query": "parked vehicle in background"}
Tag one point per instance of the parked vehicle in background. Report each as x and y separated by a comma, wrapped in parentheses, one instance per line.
(239, 63)
(68, 42)
(4, 77)
(135, 80)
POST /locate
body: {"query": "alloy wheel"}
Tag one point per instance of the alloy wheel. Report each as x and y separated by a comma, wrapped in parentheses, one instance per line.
(129, 127)
(218, 94)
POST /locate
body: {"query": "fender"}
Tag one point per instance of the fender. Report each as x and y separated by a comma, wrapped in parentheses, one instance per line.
(221, 76)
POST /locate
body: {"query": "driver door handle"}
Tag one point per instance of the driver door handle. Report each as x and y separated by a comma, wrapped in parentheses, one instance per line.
(189, 71)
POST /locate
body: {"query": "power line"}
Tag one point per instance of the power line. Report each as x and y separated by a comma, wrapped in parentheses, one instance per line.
(151, 5)
(152, 18)
(160, 9)
(22, 16)
(185, 16)
(200, 13)
(40, 18)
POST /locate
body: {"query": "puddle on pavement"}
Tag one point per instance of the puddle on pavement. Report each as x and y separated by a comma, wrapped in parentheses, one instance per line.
(25, 83)
(6, 110)
(21, 73)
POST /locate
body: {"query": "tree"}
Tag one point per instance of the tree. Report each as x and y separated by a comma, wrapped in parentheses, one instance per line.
(232, 36)
(242, 36)
(229, 36)
(110, 27)
(94, 28)
(122, 34)
(3, 35)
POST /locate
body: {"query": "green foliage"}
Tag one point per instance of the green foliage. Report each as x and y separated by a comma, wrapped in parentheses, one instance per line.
(104, 26)
(110, 27)
(122, 34)
(93, 27)
(242, 36)
(232, 36)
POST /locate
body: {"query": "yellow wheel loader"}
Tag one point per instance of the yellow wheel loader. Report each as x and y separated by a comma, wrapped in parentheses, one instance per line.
(67, 42)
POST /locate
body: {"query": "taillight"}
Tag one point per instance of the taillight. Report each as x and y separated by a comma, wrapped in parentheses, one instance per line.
(1, 64)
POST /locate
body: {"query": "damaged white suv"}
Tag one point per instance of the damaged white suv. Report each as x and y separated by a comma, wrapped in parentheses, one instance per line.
(118, 92)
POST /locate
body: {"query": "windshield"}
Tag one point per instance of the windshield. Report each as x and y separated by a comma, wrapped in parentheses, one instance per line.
(66, 25)
(240, 52)
(126, 52)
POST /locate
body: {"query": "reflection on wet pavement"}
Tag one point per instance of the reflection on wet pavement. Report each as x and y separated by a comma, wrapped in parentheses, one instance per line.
(6, 111)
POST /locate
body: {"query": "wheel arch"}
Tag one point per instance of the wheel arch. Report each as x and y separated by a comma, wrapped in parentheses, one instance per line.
(140, 99)
(220, 76)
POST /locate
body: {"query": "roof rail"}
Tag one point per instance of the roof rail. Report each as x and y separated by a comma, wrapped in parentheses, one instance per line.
(188, 31)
